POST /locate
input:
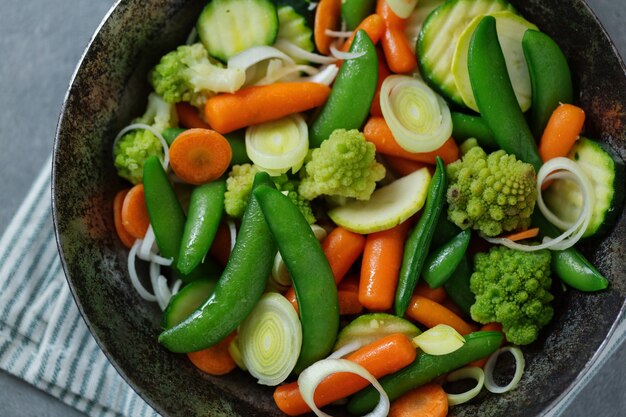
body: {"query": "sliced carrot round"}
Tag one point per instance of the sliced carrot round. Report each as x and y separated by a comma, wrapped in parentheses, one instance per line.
(215, 360)
(429, 400)
(126, 238)
(135, 212)
(199, 155)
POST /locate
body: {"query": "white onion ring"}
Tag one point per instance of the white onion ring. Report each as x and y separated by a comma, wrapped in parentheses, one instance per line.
(256, 54)
(147, 246)
(233, 234)
(176, 286)
(296, 52)
(164, 292)
(325, 75)
(344, 56)
(134, 278)
(166, 150)
(468, 372)
(346, 349)
(520, 363)
(338, 33)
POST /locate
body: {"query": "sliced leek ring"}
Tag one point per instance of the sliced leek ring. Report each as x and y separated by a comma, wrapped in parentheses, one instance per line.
(469, 372)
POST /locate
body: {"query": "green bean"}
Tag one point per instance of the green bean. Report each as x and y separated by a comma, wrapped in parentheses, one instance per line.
(441, 264)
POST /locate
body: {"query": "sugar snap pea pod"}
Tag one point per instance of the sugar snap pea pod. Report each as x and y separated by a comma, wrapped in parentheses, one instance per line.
(310, 272)
(171, 133)
(550, 78)
(495, 97)
(350, 99)
(237, 291)
(458, 286)
(419, 239)
(465, 126)
(425, 368)
(354, 11)
(570, 265)
(441, 264)
(205, 212)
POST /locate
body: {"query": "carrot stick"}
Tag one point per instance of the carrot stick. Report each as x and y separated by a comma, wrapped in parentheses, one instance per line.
(561, 132)
(383, 72)
(429, 400)
(214, 360)
(526, 234)
(495, 327)
(135, 212)
(377, 131)
(403, 166)
(290, 295)
(390, 18)
(126, 238)
(348, 294)
(438, 295)
(327, 16)
(373, 25)
(253, 105)
(430, 314)
(342, 247)
(189, 117)
(400, 57)
(380, 358)
(382, 258)
(220, 249)
(198, 156)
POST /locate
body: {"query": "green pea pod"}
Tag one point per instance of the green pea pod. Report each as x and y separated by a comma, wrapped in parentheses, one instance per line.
(354, 11)
(171, 133)
(419, 239)
(237, 141)
(570, 265)
(310, 272)
(350, 99)
(458, 286)
(550, 78)
(425, 368)
(465, 126)
(441, 264)
(239, 288)
(495, 97)
(205, 212)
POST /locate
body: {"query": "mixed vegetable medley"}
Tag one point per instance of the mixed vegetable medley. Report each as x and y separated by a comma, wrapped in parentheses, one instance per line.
(362, 200)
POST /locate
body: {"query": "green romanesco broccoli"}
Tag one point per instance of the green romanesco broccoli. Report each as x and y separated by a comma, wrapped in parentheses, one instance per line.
(132, 149)
(344, 166)
(491, 193)
(188, 74)
(512, 288)
(239, 187)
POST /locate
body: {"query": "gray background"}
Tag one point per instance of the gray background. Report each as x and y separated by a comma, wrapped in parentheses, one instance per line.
(40, 43)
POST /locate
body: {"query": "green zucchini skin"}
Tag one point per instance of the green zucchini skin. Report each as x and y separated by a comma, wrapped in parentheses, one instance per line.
(189, 298)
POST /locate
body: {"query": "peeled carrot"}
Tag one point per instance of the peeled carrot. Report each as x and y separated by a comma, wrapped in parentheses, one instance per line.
(220, 249)
(400, 56)
(253, 105)
(135, 212)
(383, 72)
(382, 258)
(495, 327)
(438, 295)
(380, 358)
(198, 156)
(342, 247)
(373, 25)
(526, 234)
(561, 132)
(126, 238)
(428, 400)
(290, 295)
(430, 314)
(327, 17)
(403, 166)
(348, 295)
(189, 117)
(214, 360)
(377, 131)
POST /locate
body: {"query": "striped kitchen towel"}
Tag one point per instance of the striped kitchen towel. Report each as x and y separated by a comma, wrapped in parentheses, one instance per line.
(43, 338)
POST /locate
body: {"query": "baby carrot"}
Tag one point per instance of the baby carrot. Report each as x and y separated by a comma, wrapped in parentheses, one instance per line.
(438, 295)
(126, 238)
(561, 132)
(403, 166)
(348, 295)
(189, 117)
(382, 258)
(253, 105)
(199, 156)
(220, 249)
(135, 212)
(526, 234)
(215, 360)
(327, 16)
(429, 400)
(495, 327)
(382, 357)
(400, 57)
(342, 247)
(430, 314)
(383, 72)
(377, 132)
(373, 25)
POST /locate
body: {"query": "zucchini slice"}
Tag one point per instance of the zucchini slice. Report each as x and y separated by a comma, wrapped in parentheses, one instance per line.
(227, 27)
(293, 27)
(370, 327)
(606, 172)
(186, 301)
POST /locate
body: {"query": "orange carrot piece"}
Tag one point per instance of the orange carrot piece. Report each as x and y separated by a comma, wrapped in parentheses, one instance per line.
(382, 258)
(189, 117)
(390, 18)
(126, 238)
(135, 212)
(380, 358)
(383, 72)
(342, 247)
(327, 16)
(373, 25)
(348, 295)
(430, 314)
(400, 57)
(561, 132)
(377, 131)
(198, 156)
(403, 166)
(290, 295)
(428, 400)
(438, 295)
(220, 249)
(253, 105)
(494, 327)
(526, 234)
(214, 360)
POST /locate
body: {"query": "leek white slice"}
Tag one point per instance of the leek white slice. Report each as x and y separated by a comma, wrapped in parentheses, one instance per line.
(418, 118)
(520, 363)
(469, 372)
(278, 146)
(439, 340)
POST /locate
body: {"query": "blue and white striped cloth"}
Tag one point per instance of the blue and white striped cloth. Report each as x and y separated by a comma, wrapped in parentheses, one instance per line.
(43, 338)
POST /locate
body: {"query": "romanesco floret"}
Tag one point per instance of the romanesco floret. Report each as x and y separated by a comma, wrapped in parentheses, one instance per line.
(344, 166)
(512, 288)
(187, 74)
(491, 193)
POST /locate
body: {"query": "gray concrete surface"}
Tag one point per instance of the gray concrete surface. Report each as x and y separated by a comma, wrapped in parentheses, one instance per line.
(40, 43)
